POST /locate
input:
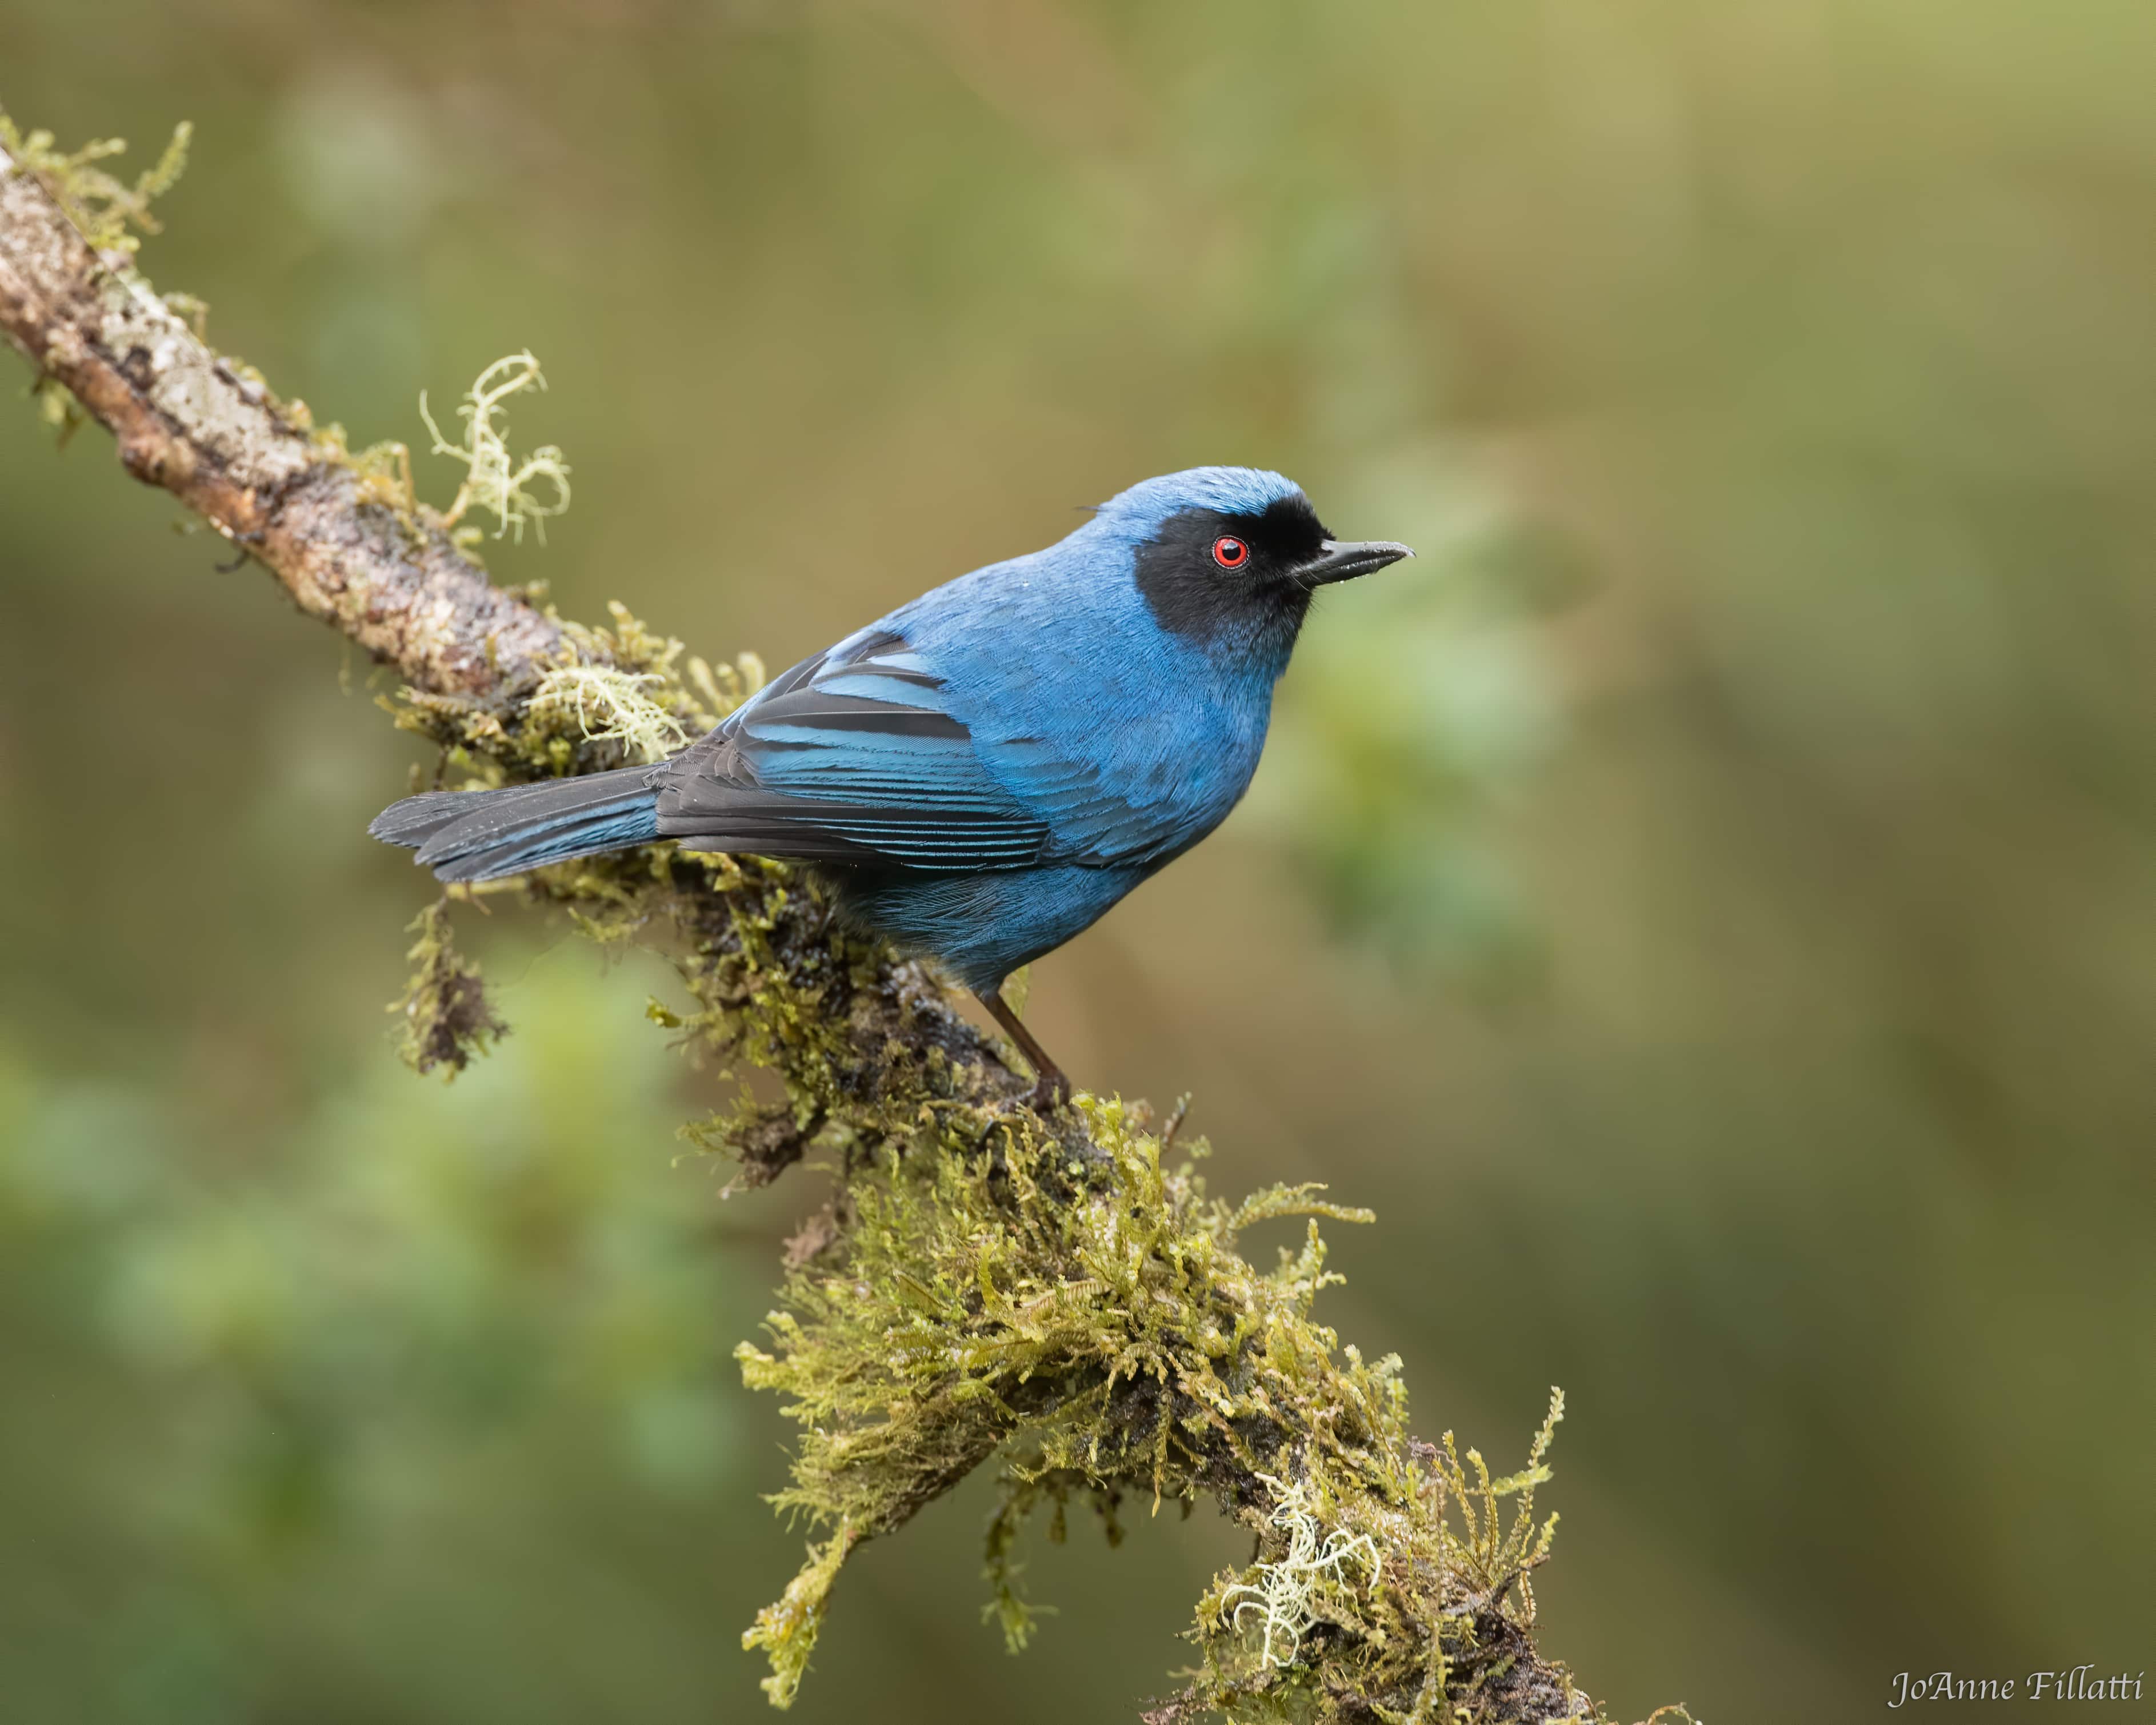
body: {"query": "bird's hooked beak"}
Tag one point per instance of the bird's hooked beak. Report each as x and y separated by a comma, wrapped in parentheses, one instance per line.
(1344, 559)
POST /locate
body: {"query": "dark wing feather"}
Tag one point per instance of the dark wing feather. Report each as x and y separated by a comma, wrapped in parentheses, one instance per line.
(850, 757)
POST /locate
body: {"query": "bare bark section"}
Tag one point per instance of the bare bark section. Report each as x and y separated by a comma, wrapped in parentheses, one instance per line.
(187, 420)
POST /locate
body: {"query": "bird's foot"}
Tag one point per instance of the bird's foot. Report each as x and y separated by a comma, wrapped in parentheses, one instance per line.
(1051, 1090)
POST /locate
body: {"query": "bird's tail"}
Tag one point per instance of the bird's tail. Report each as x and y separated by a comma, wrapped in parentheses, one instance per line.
(480, 835)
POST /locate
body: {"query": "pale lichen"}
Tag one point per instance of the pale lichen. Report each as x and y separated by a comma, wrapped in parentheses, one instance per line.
(610, 706)
(1286, 1595)
(495, 480)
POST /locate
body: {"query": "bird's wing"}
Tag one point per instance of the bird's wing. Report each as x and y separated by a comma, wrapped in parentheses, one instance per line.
(852, 755)
(1088, 822)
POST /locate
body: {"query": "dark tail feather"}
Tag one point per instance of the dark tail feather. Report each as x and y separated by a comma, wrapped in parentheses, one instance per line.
(411, 822)
(480, 835)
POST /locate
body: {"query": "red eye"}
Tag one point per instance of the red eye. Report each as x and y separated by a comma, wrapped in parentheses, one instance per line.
(1231, 553)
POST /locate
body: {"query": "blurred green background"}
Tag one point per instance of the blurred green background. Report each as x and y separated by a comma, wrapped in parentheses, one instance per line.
(1707, 905)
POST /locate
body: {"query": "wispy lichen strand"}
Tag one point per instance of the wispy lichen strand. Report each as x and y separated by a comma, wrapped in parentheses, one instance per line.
(611, 706)
(1282, 1595)
(495, 480)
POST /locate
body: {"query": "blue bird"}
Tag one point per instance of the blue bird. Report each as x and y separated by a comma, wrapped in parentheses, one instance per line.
(984, 773)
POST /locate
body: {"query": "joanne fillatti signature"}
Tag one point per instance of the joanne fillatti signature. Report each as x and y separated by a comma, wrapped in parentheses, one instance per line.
(2077, 1683)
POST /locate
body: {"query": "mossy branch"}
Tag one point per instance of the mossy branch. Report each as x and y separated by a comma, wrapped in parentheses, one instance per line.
(989, 1284)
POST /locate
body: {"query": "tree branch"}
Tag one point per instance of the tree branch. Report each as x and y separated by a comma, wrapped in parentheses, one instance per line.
(988, 1281)
(210, 433)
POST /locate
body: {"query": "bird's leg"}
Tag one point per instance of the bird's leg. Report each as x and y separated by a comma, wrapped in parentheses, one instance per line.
(1050, 1088)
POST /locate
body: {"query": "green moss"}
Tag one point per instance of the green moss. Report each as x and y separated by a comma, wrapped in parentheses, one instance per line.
(1092, 1328)
(59, 409)
(788, 1628)
(102, 206)
(443, 1018)
(384, 469)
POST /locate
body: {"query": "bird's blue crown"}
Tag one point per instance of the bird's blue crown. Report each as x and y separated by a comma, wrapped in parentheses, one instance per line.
(1229, 491)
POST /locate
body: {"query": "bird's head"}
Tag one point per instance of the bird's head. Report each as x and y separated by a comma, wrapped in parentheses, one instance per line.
(1228, 556)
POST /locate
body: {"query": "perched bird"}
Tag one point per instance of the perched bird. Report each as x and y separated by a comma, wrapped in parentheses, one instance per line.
(982, 774)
